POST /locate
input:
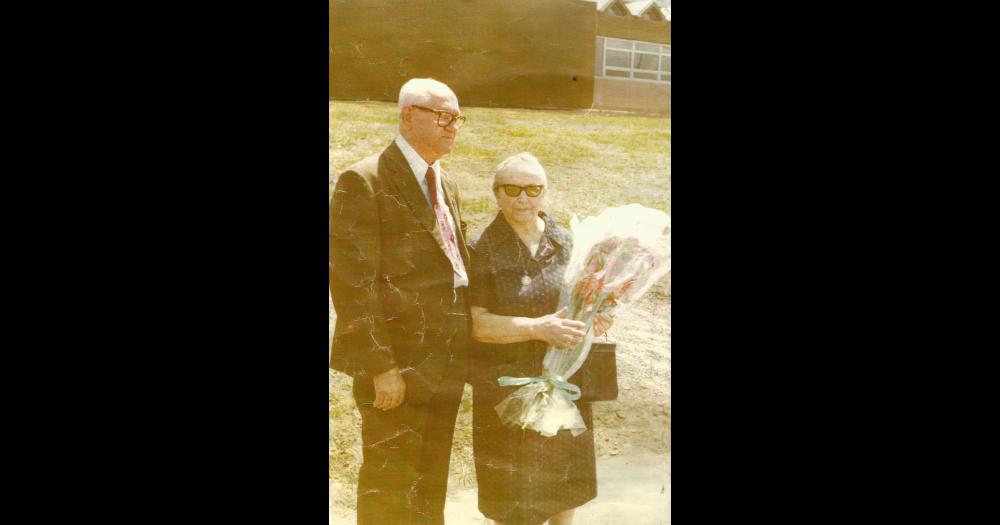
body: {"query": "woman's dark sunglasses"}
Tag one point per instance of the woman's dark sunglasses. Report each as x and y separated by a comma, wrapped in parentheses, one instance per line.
(513, 190)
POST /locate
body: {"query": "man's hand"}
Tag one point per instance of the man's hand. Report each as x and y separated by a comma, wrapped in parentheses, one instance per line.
(390, 389)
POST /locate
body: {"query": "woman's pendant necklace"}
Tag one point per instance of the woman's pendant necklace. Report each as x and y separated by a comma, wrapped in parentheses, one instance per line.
(525, 279)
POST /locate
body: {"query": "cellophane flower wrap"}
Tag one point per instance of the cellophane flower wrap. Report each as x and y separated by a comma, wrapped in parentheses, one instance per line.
(617, 256)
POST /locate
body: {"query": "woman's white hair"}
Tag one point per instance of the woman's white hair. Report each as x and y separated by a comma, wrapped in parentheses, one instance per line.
(516, 160)
(420, 91)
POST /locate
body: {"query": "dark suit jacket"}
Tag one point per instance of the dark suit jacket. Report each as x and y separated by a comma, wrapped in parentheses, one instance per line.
(390, 279)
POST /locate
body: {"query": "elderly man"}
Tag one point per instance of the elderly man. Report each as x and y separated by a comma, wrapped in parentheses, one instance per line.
(398, 277)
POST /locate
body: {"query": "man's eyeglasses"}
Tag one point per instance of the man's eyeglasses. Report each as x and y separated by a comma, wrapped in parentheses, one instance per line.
(513, 190)
(444, 119)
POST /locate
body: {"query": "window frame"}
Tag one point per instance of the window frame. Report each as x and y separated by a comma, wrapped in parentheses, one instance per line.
(662, 77)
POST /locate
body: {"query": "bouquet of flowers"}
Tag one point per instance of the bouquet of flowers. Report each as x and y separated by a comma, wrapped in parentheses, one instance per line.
(617, 256)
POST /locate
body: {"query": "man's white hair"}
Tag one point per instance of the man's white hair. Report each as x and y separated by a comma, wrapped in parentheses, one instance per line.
(420, 91)
(518, 159)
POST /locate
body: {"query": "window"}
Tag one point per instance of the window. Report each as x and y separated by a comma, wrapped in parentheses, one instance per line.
(617, 9)
(598, 58)
(665, 64)
(632, 59)
(615, 58)
(645, 61)
(621, 44)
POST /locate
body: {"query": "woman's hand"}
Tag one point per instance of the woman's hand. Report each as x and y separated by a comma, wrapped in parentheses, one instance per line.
(602, 322)
(558, 331)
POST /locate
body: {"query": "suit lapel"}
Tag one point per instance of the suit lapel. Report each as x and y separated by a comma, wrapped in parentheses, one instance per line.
(403, 178)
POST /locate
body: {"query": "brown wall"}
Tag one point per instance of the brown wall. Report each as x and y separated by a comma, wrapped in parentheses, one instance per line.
(630, 95)
(515, 53)
(633, 28)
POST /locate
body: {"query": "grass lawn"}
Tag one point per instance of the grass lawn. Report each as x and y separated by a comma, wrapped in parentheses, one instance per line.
(593, 159)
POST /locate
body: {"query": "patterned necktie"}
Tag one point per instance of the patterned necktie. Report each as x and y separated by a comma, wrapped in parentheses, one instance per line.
(451, 247)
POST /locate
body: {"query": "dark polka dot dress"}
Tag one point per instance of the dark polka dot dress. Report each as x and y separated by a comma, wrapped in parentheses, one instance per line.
(524, 478)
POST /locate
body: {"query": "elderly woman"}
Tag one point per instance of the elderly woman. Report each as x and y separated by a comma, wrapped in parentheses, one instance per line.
(516, 275)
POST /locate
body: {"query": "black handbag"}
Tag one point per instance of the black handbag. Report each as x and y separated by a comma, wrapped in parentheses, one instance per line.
(598, 377)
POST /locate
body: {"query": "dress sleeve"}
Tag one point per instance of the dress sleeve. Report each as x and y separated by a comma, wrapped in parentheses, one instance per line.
(482, 278)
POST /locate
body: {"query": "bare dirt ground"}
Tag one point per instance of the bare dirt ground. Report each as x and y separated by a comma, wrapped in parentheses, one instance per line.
(632, 489)
(632, 434)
